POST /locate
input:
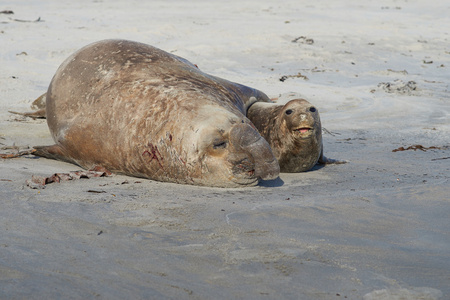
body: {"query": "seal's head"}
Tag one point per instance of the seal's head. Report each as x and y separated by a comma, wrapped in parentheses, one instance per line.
(229, 151)
(293, 131)
(300, 120)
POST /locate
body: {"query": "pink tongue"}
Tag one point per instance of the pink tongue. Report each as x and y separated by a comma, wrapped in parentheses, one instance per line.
(304, 130)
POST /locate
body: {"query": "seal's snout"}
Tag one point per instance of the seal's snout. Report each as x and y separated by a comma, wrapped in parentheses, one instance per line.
(303, 117)
(302, 123)
(269, 170)
(266, 166)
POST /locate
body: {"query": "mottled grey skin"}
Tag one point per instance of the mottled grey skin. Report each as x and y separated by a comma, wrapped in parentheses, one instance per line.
(293, 131)
(137, 110)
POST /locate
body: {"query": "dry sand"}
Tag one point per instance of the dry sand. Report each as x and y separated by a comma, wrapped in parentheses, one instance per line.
(375, 228)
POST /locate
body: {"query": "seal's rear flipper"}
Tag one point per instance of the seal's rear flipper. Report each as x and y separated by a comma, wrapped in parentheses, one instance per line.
(38, 114)
(38, 106)
(52, 152)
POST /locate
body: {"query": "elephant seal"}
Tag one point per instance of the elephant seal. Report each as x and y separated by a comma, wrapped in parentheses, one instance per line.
(137, 110)
(293, 131)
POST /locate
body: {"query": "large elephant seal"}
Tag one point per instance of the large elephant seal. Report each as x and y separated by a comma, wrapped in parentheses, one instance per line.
(137, 110)
(293, 131)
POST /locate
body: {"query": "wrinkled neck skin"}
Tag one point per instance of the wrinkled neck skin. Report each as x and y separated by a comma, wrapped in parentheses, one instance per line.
(264, 117)
(295, 152)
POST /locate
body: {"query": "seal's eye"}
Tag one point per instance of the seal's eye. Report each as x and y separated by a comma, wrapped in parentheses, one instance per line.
(220, 145)
(289, 111)
(312, 109)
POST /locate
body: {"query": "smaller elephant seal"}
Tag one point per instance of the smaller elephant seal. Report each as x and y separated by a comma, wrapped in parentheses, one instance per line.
(137, 110)
(293, 131)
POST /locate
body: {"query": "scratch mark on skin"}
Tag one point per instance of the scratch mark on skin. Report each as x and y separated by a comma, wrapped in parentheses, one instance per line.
(154, 154)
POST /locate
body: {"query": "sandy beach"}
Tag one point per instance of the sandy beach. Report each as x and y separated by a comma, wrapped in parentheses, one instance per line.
(377, 227)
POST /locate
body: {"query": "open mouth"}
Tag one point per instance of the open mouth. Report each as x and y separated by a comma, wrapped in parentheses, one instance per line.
(304, 131)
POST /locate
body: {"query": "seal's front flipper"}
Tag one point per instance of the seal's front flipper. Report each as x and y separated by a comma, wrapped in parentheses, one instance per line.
(53, 152)
(329, 161)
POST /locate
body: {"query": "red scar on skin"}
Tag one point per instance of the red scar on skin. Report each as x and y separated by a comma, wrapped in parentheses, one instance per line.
(153, 154)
